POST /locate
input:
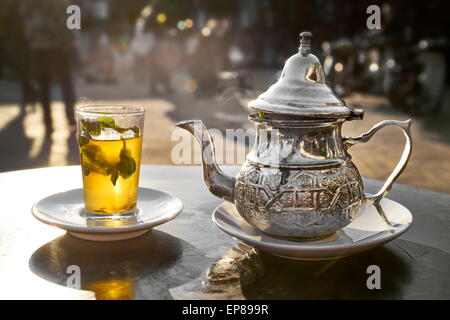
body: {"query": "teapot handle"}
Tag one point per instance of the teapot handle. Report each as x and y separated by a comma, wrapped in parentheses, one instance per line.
(406, 127)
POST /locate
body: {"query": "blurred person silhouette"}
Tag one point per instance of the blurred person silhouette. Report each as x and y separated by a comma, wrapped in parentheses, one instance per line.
(51, 52)
(141, 46)
(15, 50)
(165, 58)
(206, 61)
(102, 66)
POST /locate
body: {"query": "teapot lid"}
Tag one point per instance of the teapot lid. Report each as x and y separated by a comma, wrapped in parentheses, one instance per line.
(301, 90)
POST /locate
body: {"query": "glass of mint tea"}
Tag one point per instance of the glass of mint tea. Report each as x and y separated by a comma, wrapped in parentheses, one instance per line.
(110, 140)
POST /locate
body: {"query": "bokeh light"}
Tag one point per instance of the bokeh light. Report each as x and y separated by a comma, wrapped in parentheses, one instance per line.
(373, 67)
(188, 23)
(146, 11)
(206, 31)
(211, 23)
(181, 25)
(338, 67)
(161, 17)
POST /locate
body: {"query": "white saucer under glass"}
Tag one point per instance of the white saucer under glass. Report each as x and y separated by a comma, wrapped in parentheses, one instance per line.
(65, 210)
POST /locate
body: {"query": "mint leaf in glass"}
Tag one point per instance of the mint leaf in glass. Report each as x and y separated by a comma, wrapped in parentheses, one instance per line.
(136, 131)
(94, 159)
(127, 165)
(82, 140)
(92, 127)
(114, 174)
(107, 122)
(86, 170)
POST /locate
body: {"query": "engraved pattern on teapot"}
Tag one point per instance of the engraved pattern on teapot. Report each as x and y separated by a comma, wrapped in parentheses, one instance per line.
(305, 199)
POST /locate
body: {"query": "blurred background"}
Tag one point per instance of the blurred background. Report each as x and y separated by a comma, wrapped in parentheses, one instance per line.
(198, 59)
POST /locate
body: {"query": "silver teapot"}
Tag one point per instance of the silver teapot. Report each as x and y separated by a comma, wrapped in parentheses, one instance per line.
(298, 181)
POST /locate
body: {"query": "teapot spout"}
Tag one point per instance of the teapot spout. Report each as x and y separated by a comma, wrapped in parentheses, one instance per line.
(217, 182)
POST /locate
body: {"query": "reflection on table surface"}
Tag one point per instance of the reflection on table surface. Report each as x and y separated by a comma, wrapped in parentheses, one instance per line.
(152, 266)
(143, 267)
(243, 273)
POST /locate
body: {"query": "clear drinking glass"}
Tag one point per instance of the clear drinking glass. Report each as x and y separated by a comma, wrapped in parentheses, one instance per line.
(110, 141)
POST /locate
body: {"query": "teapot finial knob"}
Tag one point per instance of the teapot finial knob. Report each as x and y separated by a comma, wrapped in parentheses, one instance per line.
(305, 43)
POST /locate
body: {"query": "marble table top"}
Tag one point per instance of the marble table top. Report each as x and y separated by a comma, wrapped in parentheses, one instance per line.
(190, 258)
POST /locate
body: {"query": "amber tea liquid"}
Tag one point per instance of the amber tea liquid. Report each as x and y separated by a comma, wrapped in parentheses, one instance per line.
(110, 174)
